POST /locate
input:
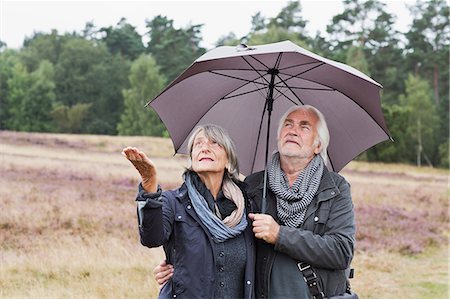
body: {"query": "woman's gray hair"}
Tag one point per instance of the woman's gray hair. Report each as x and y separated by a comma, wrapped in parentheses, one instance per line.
(219, 135)
(323, 135)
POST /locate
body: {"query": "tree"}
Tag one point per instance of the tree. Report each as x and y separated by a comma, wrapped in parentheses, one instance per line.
(362, 23)
(290, 18)
(275, 34)
(146, 83)
(173, 49)
(423, 120)
(258, 23)
(367, 26)
(428, 42)
(70, 119)
(8, 59)
(228, 40)
(397, 118)
(287, 25)
(31, 98)
(123, 39)
(43, 46)
(88, 73)
(428, 55)
(2, 45)
(357, 59)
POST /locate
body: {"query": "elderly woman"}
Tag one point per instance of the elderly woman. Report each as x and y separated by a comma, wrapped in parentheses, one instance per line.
(203, 224)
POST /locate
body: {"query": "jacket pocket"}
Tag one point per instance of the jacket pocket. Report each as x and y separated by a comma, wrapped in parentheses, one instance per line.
(188, 231)
(320, 220)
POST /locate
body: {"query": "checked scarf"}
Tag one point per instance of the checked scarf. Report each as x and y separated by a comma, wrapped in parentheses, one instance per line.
(292, 202)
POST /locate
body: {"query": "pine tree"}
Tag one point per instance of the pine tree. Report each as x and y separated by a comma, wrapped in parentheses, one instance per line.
(146, 83)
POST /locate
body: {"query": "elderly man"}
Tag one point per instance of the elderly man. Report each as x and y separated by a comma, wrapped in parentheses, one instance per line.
(305, 241)
(309, 223)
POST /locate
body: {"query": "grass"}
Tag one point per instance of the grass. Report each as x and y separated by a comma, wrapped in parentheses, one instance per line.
(68, 221)
(393, 275)
(76, 267)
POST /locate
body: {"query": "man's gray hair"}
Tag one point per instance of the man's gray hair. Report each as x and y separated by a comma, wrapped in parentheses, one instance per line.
(219, 135)
(323, 135)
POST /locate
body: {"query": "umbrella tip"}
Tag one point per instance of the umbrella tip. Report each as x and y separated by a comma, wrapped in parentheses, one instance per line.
(243, 47)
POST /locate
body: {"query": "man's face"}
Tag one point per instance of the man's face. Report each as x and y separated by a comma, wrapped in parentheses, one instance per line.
(298, 135)
(207, 155)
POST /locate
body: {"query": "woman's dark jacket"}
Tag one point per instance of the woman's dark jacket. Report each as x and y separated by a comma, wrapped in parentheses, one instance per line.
(325, 240)
(172, 222)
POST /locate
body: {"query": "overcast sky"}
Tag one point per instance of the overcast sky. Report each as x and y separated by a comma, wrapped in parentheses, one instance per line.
(19, 19)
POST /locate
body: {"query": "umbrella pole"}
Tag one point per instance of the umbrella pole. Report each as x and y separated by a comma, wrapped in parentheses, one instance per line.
(264, 198)
(269, 101)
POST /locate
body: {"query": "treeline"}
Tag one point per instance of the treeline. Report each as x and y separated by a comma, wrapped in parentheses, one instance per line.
(97, 81)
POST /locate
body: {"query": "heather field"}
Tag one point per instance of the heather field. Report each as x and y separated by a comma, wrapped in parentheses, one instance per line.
(68, 221)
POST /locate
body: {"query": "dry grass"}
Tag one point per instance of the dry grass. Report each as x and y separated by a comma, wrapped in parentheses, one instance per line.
(68, 224)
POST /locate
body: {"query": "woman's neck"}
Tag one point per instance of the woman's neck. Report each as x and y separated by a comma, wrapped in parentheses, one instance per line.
(212, 181)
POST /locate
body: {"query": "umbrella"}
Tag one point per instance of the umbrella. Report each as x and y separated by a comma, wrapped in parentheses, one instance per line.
(246, 90)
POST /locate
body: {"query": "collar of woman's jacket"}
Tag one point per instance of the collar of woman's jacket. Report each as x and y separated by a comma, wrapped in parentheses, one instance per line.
(182, 196)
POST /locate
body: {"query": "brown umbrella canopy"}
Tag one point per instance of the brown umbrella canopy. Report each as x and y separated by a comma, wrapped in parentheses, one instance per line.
(234, 86)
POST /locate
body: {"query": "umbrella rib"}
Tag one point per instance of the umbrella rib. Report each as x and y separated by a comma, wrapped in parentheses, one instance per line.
(254, 69)
(348, 97)
(237, 78)
(329, 160)
(365, 111)
(245, 80)
(287, 86)
(331, 89)
(277, 63)
(259, 135)
(305, 71)
(310, 88)
(241, 94)
(289, 99)
(267, 68)
(301, 64)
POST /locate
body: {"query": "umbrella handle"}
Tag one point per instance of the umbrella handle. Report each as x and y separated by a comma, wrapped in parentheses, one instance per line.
(264, 197)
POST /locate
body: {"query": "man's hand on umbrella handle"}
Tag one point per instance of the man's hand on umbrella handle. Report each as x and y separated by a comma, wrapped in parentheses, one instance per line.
(265, 227)
(144, 165)
(162, 273)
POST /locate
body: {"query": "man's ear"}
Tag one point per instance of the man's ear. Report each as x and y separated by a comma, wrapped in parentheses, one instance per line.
(318, 147)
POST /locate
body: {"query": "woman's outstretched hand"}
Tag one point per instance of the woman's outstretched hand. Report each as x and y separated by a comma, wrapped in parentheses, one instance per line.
(144, 165)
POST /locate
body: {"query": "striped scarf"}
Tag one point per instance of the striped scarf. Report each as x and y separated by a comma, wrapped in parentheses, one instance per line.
(292, 202)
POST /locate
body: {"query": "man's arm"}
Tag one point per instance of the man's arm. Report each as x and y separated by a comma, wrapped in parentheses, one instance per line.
(333, 250)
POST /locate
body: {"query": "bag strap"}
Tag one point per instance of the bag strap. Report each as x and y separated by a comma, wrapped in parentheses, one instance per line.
(311, 280)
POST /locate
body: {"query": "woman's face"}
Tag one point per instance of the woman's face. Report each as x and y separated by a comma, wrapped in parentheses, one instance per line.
(207, 155)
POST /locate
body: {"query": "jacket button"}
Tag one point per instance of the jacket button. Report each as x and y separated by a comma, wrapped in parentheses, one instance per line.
(189, 207)
(332, 192)
(316, 219)
(249, 282)
(221, 268)
(179, 217)
(222, 284)
(221, 254)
